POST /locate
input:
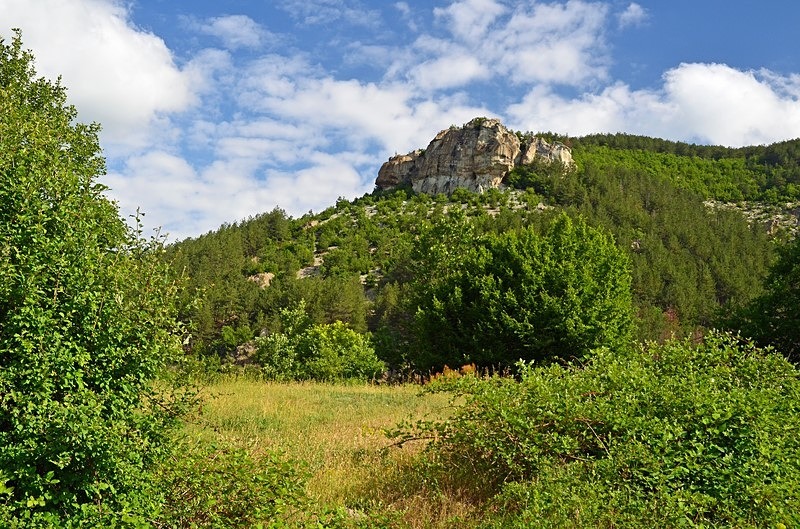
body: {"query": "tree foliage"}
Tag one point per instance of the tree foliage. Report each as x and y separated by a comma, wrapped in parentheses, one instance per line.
(87, 319)
(302, 350)
(518, 295)
(762, 172)
(689, 263)
(774, 317)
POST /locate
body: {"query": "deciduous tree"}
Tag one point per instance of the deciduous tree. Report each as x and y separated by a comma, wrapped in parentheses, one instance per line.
(87, 320)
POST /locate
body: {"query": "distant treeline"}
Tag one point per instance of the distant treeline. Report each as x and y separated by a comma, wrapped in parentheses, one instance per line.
(769, 173)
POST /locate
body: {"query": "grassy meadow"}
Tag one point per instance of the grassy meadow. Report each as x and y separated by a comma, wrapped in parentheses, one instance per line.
(336, 433)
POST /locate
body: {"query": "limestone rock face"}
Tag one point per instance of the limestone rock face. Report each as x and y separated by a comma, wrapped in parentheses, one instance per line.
(397, 170)
(477, 156)
(539, 148)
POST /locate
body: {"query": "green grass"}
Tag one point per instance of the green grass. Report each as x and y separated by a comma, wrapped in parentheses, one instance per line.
(336, 431)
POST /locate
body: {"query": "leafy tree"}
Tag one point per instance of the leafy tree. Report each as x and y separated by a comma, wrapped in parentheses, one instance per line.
(87, 320)
(334, 351)
(279, 354)
(689, 262)
(521, 295)
(774, 317)
(303, 350)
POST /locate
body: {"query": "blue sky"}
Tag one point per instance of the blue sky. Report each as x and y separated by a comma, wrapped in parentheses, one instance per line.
(216, 111)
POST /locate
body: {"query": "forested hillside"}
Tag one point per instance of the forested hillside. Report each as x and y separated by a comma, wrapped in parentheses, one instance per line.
(763, 173)
(387, 263)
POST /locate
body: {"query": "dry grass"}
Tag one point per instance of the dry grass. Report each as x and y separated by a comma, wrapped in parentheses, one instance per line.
(337, 430)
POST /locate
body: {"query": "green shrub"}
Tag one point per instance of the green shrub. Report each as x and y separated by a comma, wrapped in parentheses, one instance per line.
(316, 352)
(666, 436)
(223, 486)
(331, 352)
(498, 298)
(87, 322)
(277, 356)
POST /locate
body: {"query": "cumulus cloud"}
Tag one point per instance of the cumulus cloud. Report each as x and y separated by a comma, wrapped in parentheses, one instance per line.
(389, 115)
(533, 43)
(554, 43)
(116, 74)
(732, 107)
(189, 202)
(470, 19)
(706, 103)
(450, 71)
(321, 184)
(634, 15)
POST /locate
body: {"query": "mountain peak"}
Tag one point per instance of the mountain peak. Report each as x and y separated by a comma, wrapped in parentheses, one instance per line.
(477, 156)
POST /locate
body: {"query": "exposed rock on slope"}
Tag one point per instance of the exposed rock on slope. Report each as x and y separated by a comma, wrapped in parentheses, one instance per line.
(476, 156)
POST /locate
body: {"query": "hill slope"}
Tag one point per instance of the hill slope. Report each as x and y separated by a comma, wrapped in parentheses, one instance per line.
(691, 263)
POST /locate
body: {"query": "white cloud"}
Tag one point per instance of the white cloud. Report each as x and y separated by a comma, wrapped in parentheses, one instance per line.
(537, 43)
(554, 43)
(614, 109)
(724, 105)
(403, 7)
(470, 19)
(406, 14)
(315, 187)
(450, 71)
(116, 74)
(634, 15)
(707, 103)
(235, 31)
(325, 12)
(357, 113)
(164, 186)
(190, 202)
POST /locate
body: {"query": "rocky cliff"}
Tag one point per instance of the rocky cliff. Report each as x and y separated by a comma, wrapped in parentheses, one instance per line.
(477, 156)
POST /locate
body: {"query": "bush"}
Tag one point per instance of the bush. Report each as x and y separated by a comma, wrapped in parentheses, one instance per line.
(334, 351)
(665, 436)
(224, 486)
(87, 322)
(316, 352)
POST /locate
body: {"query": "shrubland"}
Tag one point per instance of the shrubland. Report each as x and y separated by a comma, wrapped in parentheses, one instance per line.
(663, 435)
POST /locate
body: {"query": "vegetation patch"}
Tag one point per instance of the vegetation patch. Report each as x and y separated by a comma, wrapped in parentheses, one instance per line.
(664, 436)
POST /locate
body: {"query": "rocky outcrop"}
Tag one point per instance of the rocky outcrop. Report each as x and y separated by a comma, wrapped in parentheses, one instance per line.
(776, 219)
(477, 156)
(398, 170)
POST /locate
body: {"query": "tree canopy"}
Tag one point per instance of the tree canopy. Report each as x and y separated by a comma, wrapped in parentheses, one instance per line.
(774, 317)
(496, 299)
